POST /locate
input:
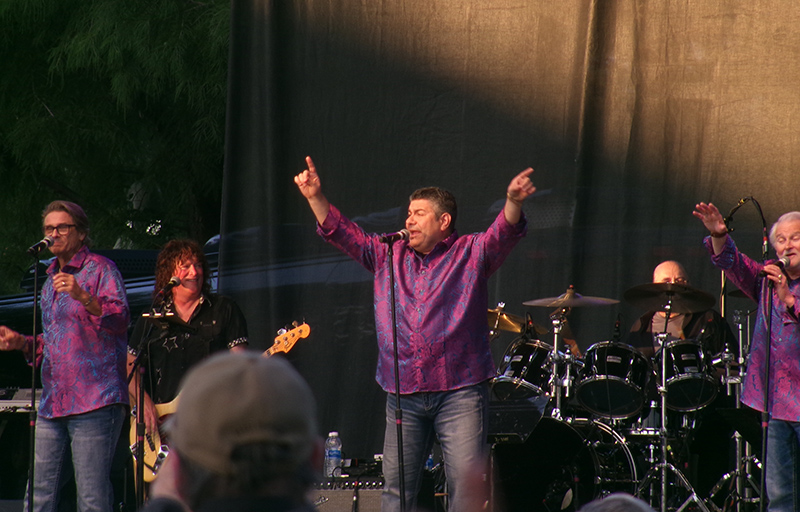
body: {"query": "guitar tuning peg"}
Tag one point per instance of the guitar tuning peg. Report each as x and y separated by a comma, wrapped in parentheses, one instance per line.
(281, 332)
(295, 324)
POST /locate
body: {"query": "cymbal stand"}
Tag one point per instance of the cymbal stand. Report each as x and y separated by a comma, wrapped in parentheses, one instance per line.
(663, 467)
(745, 459)
(494, 330)
(558, 317)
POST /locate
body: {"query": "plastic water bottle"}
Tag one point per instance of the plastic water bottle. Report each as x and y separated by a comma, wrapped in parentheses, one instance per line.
(333, 455)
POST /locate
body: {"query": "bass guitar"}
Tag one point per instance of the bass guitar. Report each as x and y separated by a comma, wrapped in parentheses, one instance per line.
(155, 445)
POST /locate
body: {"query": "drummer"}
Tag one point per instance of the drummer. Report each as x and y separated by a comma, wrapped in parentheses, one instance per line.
(708, 445)
(708, 327)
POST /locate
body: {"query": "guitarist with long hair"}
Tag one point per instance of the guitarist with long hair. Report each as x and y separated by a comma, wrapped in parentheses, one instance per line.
(193, 324)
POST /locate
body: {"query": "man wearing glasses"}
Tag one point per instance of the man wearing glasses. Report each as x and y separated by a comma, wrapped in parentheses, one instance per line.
(82, 353)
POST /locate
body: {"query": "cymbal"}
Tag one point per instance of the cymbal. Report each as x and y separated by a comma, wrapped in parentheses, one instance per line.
(680, 297)
(737, 294)
(570, 299)
(499, 319)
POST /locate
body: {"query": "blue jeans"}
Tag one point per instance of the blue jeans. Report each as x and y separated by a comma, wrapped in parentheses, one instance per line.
(783, 466)
(89, 441)
(459, 419)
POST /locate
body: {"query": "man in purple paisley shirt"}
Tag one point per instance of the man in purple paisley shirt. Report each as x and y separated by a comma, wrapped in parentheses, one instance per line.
(783, 400)
(82, 354)
(442, 335)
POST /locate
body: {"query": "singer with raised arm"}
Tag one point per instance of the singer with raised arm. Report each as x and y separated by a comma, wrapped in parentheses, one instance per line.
(442, 334)
(191, 323)
(81, 352)
(775, 286)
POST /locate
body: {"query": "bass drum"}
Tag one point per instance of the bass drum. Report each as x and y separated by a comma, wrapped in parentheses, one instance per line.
(562, 466)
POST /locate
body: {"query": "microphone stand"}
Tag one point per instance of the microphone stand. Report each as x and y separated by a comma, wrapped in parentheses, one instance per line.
(140, 367)
(765, 414)
(766, 295)
(766, 287)
(398, 411)
(33, 412)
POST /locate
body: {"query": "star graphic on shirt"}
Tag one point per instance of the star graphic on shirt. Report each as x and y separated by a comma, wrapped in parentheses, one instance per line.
(170, 343)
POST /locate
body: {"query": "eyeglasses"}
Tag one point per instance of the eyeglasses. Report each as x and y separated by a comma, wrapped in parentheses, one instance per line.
(63, 229)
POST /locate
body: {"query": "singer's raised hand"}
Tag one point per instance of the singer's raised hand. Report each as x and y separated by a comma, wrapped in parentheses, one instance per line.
(711, 218)
(308, 181)
(310, 186)
(518, 190)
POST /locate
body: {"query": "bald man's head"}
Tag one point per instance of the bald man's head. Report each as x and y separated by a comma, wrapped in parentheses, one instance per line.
(670, 272)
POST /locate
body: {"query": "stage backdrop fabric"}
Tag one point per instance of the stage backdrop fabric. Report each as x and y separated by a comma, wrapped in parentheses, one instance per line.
(630, 112)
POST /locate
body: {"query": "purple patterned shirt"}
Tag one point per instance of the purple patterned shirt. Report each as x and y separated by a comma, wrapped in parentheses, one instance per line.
(83, 356)
(442, 332)
(784, 374)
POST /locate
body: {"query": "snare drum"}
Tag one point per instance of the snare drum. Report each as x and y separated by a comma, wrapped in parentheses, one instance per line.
(689, 377)
(525, 370)
(613, 380)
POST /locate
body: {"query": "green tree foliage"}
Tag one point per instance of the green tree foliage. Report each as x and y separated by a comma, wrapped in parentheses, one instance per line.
(118, 106)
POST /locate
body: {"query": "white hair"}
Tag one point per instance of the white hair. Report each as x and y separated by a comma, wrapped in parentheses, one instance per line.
(786, 217)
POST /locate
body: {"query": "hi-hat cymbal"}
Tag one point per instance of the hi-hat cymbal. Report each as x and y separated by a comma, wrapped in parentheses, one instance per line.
(679, 297)
(570, 299)
(499, 319)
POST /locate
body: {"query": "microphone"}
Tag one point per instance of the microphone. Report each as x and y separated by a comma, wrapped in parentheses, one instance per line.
(781, 263)
(403, 234)
(727, 220)
(173, 282)
(39, 246)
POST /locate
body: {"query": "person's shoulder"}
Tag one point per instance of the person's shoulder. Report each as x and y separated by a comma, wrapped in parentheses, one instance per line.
(100, 260)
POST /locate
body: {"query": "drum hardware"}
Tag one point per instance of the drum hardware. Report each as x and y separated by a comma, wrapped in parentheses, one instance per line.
(563, 303)
(662, 468)
(742, 488)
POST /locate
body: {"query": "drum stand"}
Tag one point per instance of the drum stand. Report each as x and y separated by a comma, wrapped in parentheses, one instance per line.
(746, 489)
(559, 317)
(662, 468)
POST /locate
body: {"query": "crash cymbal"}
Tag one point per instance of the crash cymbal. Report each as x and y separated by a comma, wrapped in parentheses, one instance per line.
(570, 299)
(682, 298)
(499, 319)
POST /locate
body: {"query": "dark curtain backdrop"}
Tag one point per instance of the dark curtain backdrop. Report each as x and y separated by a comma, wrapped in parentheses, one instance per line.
(630, 112)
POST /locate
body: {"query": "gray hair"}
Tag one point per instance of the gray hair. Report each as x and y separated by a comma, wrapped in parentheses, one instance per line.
(786, 217)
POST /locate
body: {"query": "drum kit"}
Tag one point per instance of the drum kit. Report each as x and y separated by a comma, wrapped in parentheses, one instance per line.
(602, 429)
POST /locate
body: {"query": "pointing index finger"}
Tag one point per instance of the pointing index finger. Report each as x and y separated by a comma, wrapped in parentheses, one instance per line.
(311, 168)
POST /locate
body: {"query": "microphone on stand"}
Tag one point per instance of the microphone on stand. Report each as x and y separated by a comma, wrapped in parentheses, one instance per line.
(39, 246)
(173, 282)
(391, 238)
(729, 218)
